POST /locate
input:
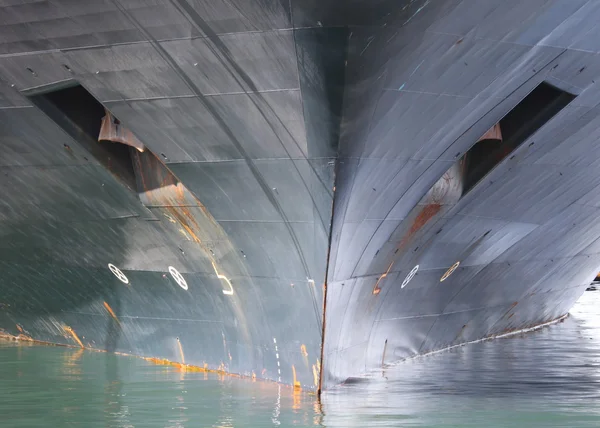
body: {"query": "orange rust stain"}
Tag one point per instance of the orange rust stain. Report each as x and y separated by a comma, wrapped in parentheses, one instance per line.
(111, 313)
(303, 350)
(183, 219)
(377, 289)
(296, 397)
(183, 215)
(511, 315)
(189, 225)
(296, 383)
(19, 328)
(138, 162)
(426, 214)
(20, 337)
(304, 355)
(315, 375)
(181, 351)
(73, 335)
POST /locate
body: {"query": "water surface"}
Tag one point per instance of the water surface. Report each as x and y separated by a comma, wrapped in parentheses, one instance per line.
(548, 378)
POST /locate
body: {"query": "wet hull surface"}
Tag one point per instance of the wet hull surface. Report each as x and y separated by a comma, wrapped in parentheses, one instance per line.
(273, 226)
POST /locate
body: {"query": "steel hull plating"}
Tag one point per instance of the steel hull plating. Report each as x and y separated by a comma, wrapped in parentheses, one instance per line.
(276, 229)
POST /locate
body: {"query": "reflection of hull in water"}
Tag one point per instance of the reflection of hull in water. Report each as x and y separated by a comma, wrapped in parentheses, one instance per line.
(291, 146)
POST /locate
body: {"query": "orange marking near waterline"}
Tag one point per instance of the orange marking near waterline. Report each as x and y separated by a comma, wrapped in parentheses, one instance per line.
(111, 313)
(297, 399)
(221, 371)
(73, 335)
(296, 383)
(315, 376)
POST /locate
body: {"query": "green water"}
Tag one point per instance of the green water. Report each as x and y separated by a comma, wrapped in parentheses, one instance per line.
(61, 387)
(549, 378)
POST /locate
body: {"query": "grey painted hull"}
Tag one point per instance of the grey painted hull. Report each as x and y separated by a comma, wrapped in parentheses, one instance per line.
(278, 231)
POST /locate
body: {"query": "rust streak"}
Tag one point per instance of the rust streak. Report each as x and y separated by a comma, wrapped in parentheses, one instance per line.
(304, 355)
(73, 335)
(303, 350)
(426, 214)
(111, 313)
(296, 382)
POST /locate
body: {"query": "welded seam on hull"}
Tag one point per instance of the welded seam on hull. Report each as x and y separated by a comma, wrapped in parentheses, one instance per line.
(14, 107)
(135, 317)
(440, 314)
(327, 264)
(209, 94)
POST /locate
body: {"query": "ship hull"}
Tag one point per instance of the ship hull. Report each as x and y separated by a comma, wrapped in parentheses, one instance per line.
(311, 203)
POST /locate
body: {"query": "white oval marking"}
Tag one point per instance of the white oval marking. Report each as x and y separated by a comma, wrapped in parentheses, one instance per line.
(409, 276)
(118, 273)
(179, 279)
(450, 271)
